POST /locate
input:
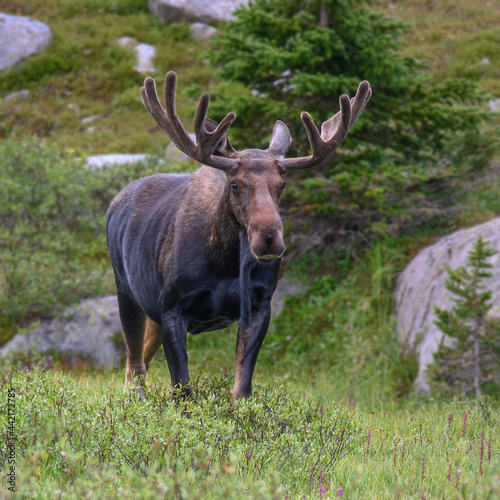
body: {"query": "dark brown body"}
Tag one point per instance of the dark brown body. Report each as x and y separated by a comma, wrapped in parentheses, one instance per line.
(195, 253)
(183, 263)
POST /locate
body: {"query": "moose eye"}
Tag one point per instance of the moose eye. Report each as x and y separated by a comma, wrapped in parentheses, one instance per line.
(283, 186)
(234, 185)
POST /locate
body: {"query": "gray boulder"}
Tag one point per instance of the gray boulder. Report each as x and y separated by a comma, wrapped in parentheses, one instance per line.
(172, 153)
(284, 289)
(194, 11)
(421, 287)
(21, 95)
(21, 37)
(145, 55)
(494, 105)
(90, 332)
(103, 161)
(202, 32)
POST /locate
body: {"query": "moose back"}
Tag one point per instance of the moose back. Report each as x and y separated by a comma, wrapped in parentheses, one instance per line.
(195, 253)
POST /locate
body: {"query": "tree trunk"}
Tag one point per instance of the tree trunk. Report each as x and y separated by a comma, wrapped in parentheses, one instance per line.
(324, 14)
(477, 366)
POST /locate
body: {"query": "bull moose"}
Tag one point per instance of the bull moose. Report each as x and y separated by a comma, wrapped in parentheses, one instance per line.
(195, 253)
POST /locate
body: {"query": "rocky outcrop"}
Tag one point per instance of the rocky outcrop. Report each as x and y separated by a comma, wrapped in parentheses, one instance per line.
(421, 287)
(21, 37)
(194, 11)
(90, 332)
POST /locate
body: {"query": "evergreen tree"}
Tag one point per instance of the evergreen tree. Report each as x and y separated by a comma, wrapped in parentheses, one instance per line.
(473, 359)
(417, 134)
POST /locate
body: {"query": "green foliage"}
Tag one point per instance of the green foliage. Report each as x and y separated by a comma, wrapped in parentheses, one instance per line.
(52, 243)
(472, 361)
(416, 138)
(205, 446)
(344, 325)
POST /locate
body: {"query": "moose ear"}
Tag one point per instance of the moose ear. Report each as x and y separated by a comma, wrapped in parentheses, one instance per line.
(280, 140)
(224, 148)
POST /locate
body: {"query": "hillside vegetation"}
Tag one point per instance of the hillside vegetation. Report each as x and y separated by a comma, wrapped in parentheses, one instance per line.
(333, 405)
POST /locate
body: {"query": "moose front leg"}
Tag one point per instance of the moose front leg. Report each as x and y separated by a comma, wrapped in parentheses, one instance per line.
(248, 345)
(174, 339)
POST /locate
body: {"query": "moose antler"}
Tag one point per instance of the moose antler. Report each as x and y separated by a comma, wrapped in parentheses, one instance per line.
(207, 139)
(333, 131)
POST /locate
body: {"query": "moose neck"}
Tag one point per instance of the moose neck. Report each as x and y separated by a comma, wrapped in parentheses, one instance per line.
(225, 230)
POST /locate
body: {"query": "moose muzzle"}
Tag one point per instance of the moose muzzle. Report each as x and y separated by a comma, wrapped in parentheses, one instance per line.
(266, 243)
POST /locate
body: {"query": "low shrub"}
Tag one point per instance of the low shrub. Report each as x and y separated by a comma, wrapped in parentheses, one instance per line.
(52, 224)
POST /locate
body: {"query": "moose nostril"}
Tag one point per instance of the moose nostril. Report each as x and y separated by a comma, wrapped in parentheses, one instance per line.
(269, 240)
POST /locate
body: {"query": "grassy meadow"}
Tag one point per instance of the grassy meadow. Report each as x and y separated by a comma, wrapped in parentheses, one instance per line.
(333, 413)
(80, 436)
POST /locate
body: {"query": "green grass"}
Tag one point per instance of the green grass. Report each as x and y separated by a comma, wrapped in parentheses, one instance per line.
(452, 36)
(80, 436)
(85, 73)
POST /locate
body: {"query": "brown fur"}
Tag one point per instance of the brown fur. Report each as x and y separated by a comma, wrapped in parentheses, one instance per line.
(196, 253)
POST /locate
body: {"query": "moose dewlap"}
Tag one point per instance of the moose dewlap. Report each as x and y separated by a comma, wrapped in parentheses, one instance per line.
(195, 253)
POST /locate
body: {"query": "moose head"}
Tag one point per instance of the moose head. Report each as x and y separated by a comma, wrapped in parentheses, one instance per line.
(254, 176)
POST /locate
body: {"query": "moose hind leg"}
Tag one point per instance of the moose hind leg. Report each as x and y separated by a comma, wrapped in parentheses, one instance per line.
(152, 341)
(133, 322)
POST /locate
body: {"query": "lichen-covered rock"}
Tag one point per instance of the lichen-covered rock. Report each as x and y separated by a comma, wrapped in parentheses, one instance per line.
(90, 332)
(421, 287)
(194, 11)
(21, 37)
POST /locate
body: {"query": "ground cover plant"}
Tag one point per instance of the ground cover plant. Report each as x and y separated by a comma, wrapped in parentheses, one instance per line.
(80, 436)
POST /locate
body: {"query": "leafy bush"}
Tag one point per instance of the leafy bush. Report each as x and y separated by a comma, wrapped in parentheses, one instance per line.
(417, 137)
(197, 448)
(52, 242)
